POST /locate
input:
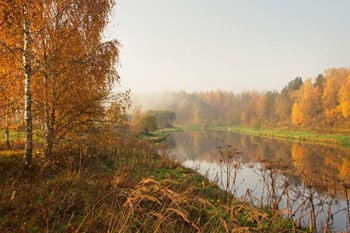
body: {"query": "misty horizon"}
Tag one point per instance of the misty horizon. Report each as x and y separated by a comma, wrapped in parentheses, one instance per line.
(227, 45)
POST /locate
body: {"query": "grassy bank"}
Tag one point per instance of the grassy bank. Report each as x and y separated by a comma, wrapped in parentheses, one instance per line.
(192, 127)
(159, 135)
(126, 187)
(299, 136)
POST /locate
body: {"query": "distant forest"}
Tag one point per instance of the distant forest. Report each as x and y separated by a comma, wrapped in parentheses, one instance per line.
(319, 103)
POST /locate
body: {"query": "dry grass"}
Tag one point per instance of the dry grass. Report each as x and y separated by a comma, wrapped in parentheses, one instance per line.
(104, 188)
(154, 207)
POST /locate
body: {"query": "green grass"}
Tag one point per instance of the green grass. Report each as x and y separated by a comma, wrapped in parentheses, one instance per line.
(159, 135)
(14, 135)
(300, 136)
(167, 131)
(17, 137)
(192, 127)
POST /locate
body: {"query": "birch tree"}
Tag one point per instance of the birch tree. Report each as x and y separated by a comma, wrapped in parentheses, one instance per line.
(13, 15)
(78, 70)
(68, 71)
(27, 87)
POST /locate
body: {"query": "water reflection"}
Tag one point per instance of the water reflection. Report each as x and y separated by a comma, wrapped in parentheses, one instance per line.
(299, 171)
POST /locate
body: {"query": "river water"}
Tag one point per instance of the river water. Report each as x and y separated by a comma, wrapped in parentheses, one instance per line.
(306, 181)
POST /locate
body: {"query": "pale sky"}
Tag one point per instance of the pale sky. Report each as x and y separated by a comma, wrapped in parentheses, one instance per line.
(200, 45)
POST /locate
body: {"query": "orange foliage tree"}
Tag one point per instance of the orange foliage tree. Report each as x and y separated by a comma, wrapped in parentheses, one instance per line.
(69, 71)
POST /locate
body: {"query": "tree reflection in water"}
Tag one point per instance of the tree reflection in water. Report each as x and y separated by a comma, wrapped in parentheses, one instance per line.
(308, 182)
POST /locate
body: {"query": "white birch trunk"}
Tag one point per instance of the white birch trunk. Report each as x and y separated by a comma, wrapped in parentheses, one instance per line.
(27, 93)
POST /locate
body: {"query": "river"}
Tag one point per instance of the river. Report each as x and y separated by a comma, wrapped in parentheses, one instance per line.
(305, 181)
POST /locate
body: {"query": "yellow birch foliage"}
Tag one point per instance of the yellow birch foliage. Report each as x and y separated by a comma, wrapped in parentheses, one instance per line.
(344, 98)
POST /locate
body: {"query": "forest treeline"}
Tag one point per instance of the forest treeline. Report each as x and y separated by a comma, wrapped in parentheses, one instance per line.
(320, 102)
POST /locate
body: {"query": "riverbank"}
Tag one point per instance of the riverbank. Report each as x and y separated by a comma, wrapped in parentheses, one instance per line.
(159, 135)
(127, 188)
(296, 136)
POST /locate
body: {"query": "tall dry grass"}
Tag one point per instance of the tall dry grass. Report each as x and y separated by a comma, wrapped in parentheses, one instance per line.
(118, 184)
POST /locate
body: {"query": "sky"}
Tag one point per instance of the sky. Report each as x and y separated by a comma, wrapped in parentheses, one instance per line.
(201, 45)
